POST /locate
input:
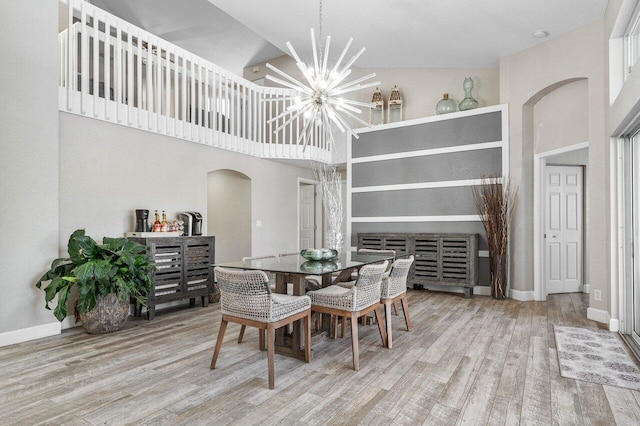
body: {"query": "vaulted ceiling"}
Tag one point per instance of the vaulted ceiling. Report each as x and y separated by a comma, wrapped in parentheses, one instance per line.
(406, 33)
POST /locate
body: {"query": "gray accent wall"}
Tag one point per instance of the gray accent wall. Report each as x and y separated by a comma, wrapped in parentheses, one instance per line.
(440, 134)
(428, 168)
(414, 202)
(430, 207)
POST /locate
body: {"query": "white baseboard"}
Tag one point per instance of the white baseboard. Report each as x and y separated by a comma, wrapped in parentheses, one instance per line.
(586, 288)
(70, 322)
(30, 333)
(614, 325)
(522, 296)
(598, 315)
(482, 290)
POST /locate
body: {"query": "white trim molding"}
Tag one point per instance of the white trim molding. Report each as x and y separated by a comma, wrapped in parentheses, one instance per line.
(586, 289)
(427, 152)
(598, 315)
(522, 296)
(30, 333)
(444, 218)
(614, 325)
(539, 164)
(420, 185)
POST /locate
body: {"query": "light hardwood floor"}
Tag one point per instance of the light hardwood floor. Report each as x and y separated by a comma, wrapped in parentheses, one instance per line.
(477, 361)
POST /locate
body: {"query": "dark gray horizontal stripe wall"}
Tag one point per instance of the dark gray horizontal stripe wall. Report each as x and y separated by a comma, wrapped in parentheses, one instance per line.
(414, 202)
(439, 134)
(429, 168)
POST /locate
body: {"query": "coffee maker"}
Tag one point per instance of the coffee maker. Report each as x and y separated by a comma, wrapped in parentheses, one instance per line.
(192, 223)
(142, 224)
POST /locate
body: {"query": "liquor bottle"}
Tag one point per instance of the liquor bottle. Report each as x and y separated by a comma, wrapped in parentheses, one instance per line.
(163, 225)
(157, 226)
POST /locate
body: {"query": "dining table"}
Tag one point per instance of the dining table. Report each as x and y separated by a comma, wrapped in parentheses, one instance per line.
(292, 270)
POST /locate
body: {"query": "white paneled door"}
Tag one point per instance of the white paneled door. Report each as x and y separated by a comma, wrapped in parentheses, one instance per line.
(307, 216)
(563, 229)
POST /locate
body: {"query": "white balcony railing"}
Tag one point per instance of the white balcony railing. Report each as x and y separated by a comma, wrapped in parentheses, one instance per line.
(114, 71)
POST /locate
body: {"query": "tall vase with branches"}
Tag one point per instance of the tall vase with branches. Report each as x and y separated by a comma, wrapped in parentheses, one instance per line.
(331, 189)
(495, 199)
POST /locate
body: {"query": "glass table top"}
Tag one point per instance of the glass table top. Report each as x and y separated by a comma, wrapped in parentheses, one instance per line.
(296, 264)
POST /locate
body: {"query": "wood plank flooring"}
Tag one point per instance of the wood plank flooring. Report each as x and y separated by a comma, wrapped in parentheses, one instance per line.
(477, 361)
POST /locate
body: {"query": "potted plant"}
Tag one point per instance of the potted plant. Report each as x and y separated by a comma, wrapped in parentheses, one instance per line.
(107, 277)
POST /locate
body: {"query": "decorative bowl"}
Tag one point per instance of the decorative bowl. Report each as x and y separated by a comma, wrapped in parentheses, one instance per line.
(319, 254)
(318, 266)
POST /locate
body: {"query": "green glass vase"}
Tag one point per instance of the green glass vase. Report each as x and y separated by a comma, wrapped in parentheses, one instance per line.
(468, 102)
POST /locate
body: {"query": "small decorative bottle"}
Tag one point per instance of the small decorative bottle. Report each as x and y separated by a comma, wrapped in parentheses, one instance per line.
(445, 105)
(163, 225)
(468, 102)
(157, 226)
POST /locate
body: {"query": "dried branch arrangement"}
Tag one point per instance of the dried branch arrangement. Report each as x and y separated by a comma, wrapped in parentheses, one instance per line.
(495, 199)
(331, 189)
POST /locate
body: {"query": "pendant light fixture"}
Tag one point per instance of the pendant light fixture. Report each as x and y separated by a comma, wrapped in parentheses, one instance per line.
(320, 100)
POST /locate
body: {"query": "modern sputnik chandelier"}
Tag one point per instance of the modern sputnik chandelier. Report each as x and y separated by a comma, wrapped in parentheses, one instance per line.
(320, 101)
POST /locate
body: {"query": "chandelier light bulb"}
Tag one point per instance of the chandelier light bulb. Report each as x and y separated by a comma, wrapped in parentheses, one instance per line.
(317, 101)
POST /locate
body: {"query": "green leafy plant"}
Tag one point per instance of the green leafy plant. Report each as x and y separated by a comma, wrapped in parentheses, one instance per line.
(118, 265)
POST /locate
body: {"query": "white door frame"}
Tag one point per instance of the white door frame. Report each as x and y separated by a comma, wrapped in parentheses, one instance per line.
(539, 165)
(319, 216)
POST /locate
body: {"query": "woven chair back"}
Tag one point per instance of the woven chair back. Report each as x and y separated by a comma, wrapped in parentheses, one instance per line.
(245, 294)
(367, 288)
(376, 251)
(397, 280)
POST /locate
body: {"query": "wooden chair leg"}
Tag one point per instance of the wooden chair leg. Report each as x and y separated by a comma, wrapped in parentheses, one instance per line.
(354, 342)
(241, 335)
(387, 320)
(344, 327)
(307, 338)
(334, 326)
(271, 341)
(378, 316)
(216, 351)
(405, 309)
(395, 308)
(261, 344)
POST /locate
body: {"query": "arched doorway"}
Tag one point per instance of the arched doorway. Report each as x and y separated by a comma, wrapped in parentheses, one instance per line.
(229, 213)
(555, 134)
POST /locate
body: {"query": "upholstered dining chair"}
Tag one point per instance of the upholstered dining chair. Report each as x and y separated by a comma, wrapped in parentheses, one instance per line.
(245, 298)
(363, 297)
(272, 286)
(394, 289)
(354, 276)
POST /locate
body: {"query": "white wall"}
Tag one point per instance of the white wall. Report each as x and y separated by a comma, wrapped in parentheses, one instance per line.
(561, 118)
(420, 89)
(28, 164)
(229, 214)
(107, 171)
(525, 78)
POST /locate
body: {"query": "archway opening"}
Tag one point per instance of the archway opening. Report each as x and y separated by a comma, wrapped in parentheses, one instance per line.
(229, 213)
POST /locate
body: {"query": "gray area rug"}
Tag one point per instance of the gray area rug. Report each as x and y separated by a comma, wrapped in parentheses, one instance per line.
(595, 356)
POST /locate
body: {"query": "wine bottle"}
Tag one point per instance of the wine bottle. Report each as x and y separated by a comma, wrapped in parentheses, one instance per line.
(157, 226)
(163, 225)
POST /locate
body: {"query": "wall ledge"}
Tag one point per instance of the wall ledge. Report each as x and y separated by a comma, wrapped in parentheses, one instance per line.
(30, 333)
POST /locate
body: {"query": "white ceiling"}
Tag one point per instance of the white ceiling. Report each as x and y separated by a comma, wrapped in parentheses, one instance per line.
(401, 33)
